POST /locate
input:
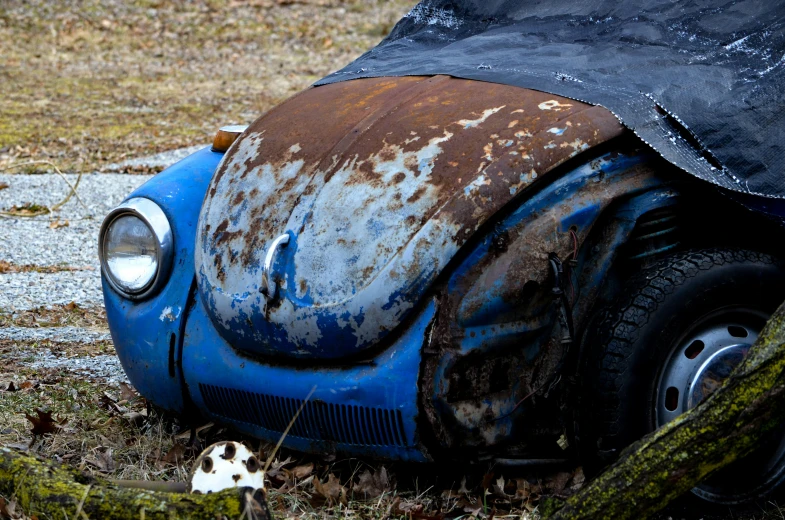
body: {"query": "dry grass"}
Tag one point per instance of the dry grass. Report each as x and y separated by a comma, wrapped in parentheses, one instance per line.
(89, 83)
(110, 431)
(69, 314)
(8, 267)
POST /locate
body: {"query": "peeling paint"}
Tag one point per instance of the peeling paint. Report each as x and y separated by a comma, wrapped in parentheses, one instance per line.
(170, 313)
(471, 123)
(375, 207)
(554, 105)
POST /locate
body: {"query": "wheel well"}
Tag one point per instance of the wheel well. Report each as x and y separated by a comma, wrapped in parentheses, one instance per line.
(699, 220)
(696, 216)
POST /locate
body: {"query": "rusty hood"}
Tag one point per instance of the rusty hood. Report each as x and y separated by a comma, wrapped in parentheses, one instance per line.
(377, 183)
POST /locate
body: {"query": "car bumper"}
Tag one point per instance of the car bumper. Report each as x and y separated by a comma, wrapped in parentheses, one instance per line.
(366, 409)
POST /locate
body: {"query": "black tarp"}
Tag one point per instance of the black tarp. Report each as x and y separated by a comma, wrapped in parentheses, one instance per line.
(700, 81)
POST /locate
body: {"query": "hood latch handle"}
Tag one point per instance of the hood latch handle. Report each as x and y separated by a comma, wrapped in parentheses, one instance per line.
(269, 287)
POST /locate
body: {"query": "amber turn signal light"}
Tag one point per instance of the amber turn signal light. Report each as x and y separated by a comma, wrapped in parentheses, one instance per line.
(225, 136)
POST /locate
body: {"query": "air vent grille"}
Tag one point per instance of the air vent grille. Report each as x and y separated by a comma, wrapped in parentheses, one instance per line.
(341, 423)
(656, 232)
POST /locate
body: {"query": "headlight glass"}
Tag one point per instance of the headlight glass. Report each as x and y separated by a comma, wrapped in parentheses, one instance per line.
(136, 248)
(131, 253)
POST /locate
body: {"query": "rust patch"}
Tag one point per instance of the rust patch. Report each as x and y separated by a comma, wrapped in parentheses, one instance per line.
(333, 167)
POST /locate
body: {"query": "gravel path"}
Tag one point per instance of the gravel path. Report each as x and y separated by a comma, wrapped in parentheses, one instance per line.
(54, 334)
(104, 366)
(22, 291)
(159, 160)
(36, 243)
(99, 192)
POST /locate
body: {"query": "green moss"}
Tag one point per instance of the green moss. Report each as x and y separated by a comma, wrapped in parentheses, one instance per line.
(55, 492)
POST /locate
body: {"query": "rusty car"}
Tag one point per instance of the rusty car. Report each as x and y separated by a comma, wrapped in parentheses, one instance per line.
(424, 268)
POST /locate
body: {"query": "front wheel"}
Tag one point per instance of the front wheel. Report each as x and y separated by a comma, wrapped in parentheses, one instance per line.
(677, 331)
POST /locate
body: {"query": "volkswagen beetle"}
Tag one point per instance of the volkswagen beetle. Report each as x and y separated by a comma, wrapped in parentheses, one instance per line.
(429, 268)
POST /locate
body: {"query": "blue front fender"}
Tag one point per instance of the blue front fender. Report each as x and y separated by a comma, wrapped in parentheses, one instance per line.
(148, 334)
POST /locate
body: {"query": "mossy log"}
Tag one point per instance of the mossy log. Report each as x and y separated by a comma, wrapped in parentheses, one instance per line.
(59, 492)
(670, 461)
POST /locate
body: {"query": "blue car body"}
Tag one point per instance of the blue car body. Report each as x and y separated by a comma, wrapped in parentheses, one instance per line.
(402, 398)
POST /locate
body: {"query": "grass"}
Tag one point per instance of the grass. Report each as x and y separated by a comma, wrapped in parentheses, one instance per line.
(111, 431)
(90, 83)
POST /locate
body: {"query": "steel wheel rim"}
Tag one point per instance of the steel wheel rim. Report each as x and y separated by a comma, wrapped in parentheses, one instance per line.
(702, 358)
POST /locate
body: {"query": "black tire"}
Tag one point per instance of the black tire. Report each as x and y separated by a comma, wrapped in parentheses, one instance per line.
(632, 339)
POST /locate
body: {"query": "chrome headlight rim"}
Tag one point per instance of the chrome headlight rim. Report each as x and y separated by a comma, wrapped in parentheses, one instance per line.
(155, 219)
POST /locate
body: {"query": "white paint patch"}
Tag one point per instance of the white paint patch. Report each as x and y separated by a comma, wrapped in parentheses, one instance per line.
(554, 105)
(471, 123)
(329, 256)
(557, 131)
(170, 313)
(295, 148)
(577, 145)
(475, 185)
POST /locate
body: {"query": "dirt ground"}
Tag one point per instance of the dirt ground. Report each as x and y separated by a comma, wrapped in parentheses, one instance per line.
(90, 84)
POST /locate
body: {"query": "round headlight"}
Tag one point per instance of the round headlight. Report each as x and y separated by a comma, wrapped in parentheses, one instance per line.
(135, 247)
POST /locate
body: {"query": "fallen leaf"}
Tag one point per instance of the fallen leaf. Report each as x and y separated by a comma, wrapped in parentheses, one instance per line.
(127, 392)
(487, 481)
(278, 463)
(107, 402)
(302, 472)
(578, 479)
(8, 509)
(134, 418)
(523, 489)
(555, 484)
(331, 489)
(58, 224)
(44, 423)
(26, 385)
(71, 306)
(28, 209)
(410, 510)
(175, 454)
(102, 460)
(498, 488)
(276, 468)
(187, 433)
(469, 505)
(3, 185)
(373, 484)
